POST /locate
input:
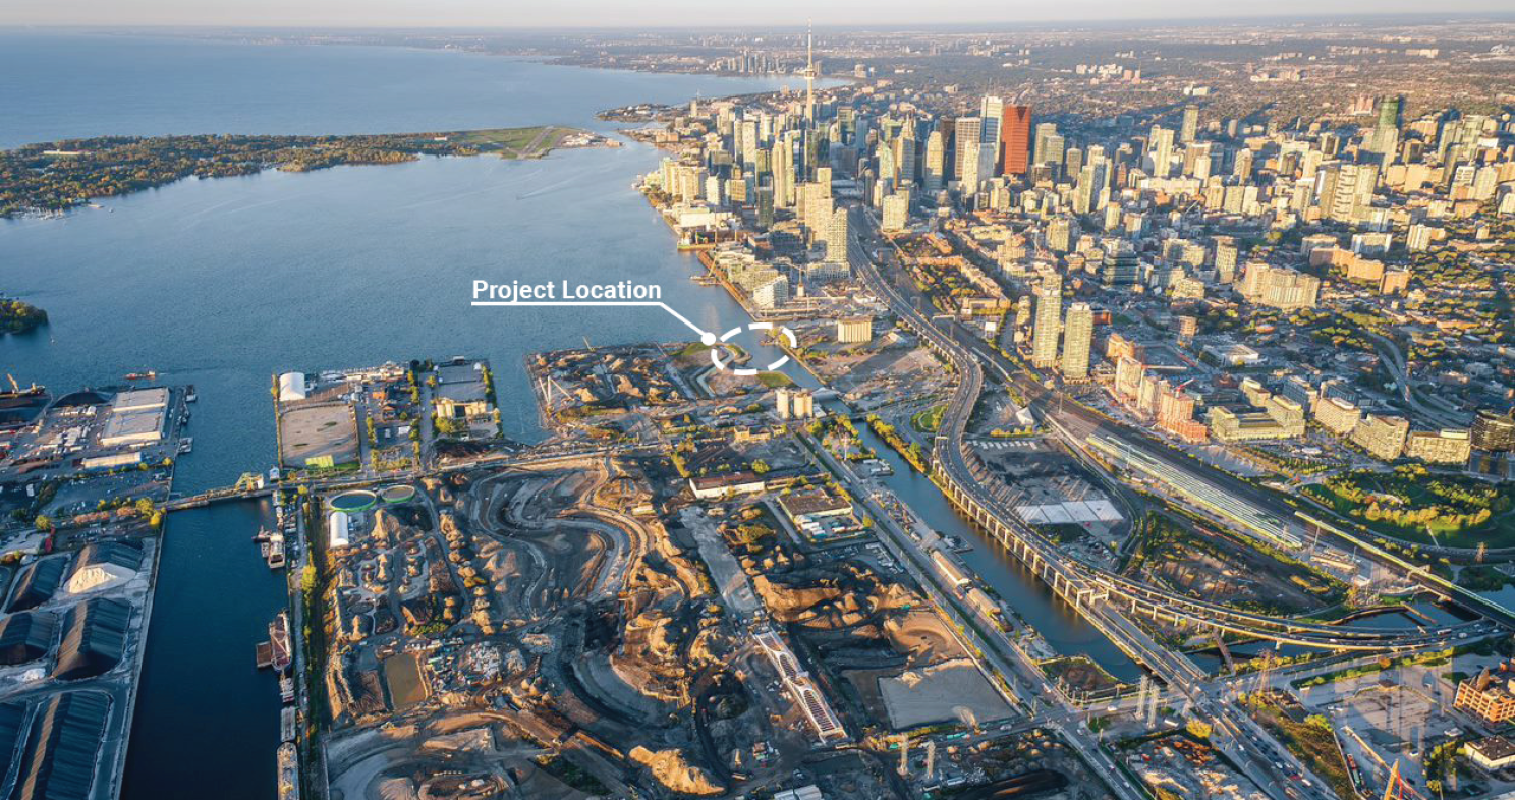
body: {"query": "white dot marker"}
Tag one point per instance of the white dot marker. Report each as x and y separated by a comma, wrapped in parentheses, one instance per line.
(707, 338)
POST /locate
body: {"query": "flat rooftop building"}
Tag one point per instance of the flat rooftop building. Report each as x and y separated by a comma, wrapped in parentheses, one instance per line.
(817, 503)
(135, 418)
(140, 399)
(1492, 753)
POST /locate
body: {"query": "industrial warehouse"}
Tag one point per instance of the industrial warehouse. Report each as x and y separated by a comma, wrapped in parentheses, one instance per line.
(68, 648)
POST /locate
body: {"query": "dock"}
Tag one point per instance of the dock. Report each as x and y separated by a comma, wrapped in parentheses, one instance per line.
(275, 653)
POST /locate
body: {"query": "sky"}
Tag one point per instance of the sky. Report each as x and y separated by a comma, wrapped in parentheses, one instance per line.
(649, 13)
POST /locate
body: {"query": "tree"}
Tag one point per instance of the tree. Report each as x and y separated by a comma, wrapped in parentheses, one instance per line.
(1199, 730)
(43, 523)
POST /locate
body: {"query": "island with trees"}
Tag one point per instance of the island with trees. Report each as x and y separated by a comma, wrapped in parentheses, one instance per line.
(55, 176)
(19, 317)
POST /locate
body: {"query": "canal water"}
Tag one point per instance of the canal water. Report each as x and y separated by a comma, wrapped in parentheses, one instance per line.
(1032, 598)
(203, 711)
(221, 283)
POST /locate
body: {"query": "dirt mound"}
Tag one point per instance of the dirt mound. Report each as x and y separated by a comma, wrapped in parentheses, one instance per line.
(673, 771)
(789, 602)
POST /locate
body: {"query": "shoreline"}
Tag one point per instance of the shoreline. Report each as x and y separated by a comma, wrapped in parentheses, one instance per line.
(248, 37)
(40, 193)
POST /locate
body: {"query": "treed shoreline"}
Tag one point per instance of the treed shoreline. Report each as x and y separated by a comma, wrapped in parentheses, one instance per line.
(52, 177)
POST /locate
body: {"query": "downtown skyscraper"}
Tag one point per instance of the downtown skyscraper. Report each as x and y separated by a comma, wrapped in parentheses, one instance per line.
(1078, 334)
(1014, 141)
(965, 138)
(1047, 324)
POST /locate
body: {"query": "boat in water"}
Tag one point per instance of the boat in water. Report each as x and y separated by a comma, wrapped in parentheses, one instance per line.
(287, 724)
(19, 407)
(289, 772)
(275, 653)
(149, 375)
(275, 553)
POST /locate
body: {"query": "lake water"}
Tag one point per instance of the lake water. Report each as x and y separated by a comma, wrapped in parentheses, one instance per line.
(70, 85)
(222, 283)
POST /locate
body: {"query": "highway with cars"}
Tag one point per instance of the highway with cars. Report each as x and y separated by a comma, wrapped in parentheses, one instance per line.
(1094, 591)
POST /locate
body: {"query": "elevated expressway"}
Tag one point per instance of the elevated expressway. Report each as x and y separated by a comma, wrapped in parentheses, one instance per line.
(1099, 594)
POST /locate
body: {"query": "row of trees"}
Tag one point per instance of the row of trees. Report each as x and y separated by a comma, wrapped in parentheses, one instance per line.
(19, 317)
(60, 175)
(911, 452)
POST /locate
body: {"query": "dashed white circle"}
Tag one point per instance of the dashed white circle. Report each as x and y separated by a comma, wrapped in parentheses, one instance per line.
(715, 352)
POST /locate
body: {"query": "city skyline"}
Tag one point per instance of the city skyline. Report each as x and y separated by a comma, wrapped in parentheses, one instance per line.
(628, 413)
(597, 15)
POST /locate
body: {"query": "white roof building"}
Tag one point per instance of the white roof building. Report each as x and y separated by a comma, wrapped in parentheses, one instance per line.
(340, 525)
(291, 386)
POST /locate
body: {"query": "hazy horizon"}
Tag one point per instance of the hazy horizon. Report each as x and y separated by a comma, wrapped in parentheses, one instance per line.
(600, 14)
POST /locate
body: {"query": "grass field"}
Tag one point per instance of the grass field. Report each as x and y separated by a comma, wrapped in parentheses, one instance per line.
(532, 142)
(774, 380)
(929, 420)
(1417, 496)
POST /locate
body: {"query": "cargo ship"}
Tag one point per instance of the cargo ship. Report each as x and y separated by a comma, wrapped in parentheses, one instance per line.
(289, 772)
(287, 724)
(274, 653)
(19, 407)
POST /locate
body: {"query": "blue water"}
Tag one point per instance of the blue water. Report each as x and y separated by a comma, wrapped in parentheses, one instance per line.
(221, 283)
(56, 86)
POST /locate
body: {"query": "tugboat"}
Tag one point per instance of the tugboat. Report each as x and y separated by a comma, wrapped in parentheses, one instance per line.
(149, 375)
(189, 394)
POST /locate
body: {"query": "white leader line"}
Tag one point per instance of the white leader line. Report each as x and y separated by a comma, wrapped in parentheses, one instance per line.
(707, 338)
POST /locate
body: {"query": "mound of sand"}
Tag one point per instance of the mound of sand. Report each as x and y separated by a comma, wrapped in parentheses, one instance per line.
(673, 771)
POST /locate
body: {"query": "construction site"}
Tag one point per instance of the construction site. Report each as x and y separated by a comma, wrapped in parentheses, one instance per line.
(532, 632)
(698, 610)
